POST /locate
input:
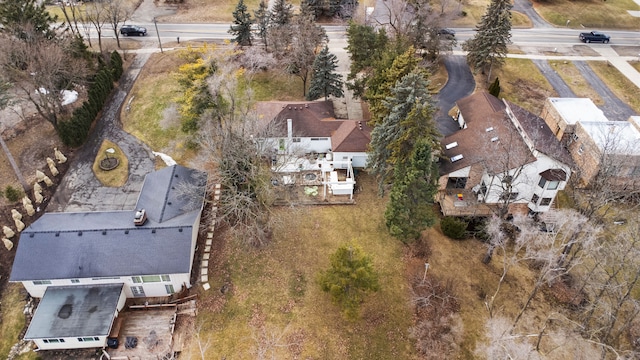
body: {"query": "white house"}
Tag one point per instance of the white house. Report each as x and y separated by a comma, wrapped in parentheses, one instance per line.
(65, 253)
(311, 128)
(502, 156)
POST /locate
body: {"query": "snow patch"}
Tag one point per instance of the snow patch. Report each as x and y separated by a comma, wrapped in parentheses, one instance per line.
(166, 158)
(69, 97)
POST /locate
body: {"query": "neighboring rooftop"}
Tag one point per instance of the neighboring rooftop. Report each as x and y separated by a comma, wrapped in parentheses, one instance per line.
(105, 244)
(575, 110)
(75, 311)
(616, 137)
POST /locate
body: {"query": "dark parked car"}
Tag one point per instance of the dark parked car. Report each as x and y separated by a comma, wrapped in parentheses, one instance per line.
(128, 30)
(594, 36)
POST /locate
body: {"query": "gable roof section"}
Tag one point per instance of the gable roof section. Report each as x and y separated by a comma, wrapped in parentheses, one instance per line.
(537, 130)
(351, 136)
(75, 311)
(490, 138)
(106, 244)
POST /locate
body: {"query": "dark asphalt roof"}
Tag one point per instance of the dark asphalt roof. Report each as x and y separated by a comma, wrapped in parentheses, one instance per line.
(105, 244)
(75, 311)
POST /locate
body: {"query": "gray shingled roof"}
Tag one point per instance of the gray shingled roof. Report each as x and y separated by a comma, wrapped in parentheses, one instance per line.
(75, 311)
(105, 244)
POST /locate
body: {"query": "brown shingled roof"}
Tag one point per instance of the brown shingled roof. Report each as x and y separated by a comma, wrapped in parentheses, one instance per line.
(351, 136)
(490, 138)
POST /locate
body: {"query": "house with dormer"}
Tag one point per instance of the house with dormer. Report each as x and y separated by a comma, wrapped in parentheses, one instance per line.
(503, 159)
(82, 266)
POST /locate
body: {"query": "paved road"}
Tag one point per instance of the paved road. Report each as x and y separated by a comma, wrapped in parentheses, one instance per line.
(526, 7)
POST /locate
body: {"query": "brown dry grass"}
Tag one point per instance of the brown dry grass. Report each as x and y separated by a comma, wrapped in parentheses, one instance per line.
(635, 64)
(622, 87)
(529, 92)
(589, 13)
(116, 177)
(578, 84)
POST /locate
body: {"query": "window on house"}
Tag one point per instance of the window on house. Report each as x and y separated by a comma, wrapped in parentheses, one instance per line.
(508, 196)
(150, 278)
(75, 281)
(137, 291)
(42, 282)
(483, 188)
(535, 199)
(542, 182)
(545, 201)
(53, 341)
(457, 183)
(318, 139)
(507, 179)
(580, 150)
(89, 338)
(296, 139)
(281, 144)
(169, 288)
(553, 185)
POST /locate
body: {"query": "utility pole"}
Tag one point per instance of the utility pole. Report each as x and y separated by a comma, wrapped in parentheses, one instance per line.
(155, 23)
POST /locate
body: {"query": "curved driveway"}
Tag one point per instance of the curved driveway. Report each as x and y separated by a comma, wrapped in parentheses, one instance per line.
(459, 85)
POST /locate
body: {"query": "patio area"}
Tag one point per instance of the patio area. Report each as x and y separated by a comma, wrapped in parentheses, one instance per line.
(144, 334)
(460, 202)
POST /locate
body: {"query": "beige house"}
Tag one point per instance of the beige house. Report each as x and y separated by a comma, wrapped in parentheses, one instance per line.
(603, 150)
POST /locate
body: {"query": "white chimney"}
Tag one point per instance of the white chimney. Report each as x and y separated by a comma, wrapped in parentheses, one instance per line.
(289, 129)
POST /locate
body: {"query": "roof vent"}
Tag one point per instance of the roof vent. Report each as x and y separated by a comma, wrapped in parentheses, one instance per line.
(489, 129)
(126, 232)
(452, 145)
(104, 232)
(140, 217)
(79, 233)
(31, 235)
(153, 231)
(57, 233)
(168, 202)
(180, 230)
(306, 105)
(494, 139)
(176, 175)
(456, 158)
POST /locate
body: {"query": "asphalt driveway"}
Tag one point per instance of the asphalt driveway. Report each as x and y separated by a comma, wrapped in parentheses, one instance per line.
(459, 85)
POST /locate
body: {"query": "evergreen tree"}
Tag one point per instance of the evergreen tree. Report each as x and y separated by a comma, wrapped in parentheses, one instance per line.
(310, 8)
(241, 27)
(380, 85)
(25, 18)
(351, 275)
(262, 19)
(281, 13)
(410, 207)
(488, 47)
(410, 119)
(325, 81)
(494, 88)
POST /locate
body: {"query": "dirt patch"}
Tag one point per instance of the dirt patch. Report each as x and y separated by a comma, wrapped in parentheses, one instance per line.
(627, 50)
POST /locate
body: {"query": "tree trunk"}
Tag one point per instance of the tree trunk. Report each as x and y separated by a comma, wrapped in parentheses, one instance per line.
(14, 165)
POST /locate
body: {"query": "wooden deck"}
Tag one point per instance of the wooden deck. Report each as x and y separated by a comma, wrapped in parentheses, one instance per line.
(466, 205)
(153, 329)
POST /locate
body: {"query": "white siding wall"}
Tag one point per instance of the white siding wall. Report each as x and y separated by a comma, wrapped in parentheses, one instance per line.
(526, 183)
(359, 160)
(71, 343)
(150, 289)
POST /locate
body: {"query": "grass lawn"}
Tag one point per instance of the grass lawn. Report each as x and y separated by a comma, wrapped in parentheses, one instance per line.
(528, 92)
(276, 306)
(635, 64)
(153, 116)
(572, 77)
(12, 320)
(589, 13)
(618, 83)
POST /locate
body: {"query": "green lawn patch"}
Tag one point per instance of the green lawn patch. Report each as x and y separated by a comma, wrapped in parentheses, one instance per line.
(271, 85)
(13, 320)
(115, 177)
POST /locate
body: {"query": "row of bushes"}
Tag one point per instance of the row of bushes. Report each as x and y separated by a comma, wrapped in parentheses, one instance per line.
(74, 132)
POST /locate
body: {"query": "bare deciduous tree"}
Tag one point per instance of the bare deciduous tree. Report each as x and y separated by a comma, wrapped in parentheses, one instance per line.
(117, 13)
(96, 14)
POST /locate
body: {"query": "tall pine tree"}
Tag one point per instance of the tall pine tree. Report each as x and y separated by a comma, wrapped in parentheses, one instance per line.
(262, 19)
(489, 45)
(281, 13)
(325, 81)
(241, 27)
(410, 119)
(26, 18)
(410, 207)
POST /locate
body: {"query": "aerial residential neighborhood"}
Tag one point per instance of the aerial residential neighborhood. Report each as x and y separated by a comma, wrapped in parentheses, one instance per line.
(257, 179)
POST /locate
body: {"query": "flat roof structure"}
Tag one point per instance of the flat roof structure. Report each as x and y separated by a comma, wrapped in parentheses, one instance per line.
(575, 110)
(616, 137)
(75, 311)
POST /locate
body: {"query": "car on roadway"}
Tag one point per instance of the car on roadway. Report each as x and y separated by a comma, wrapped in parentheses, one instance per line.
(594, 36)
(448, 33)
(128, 30)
